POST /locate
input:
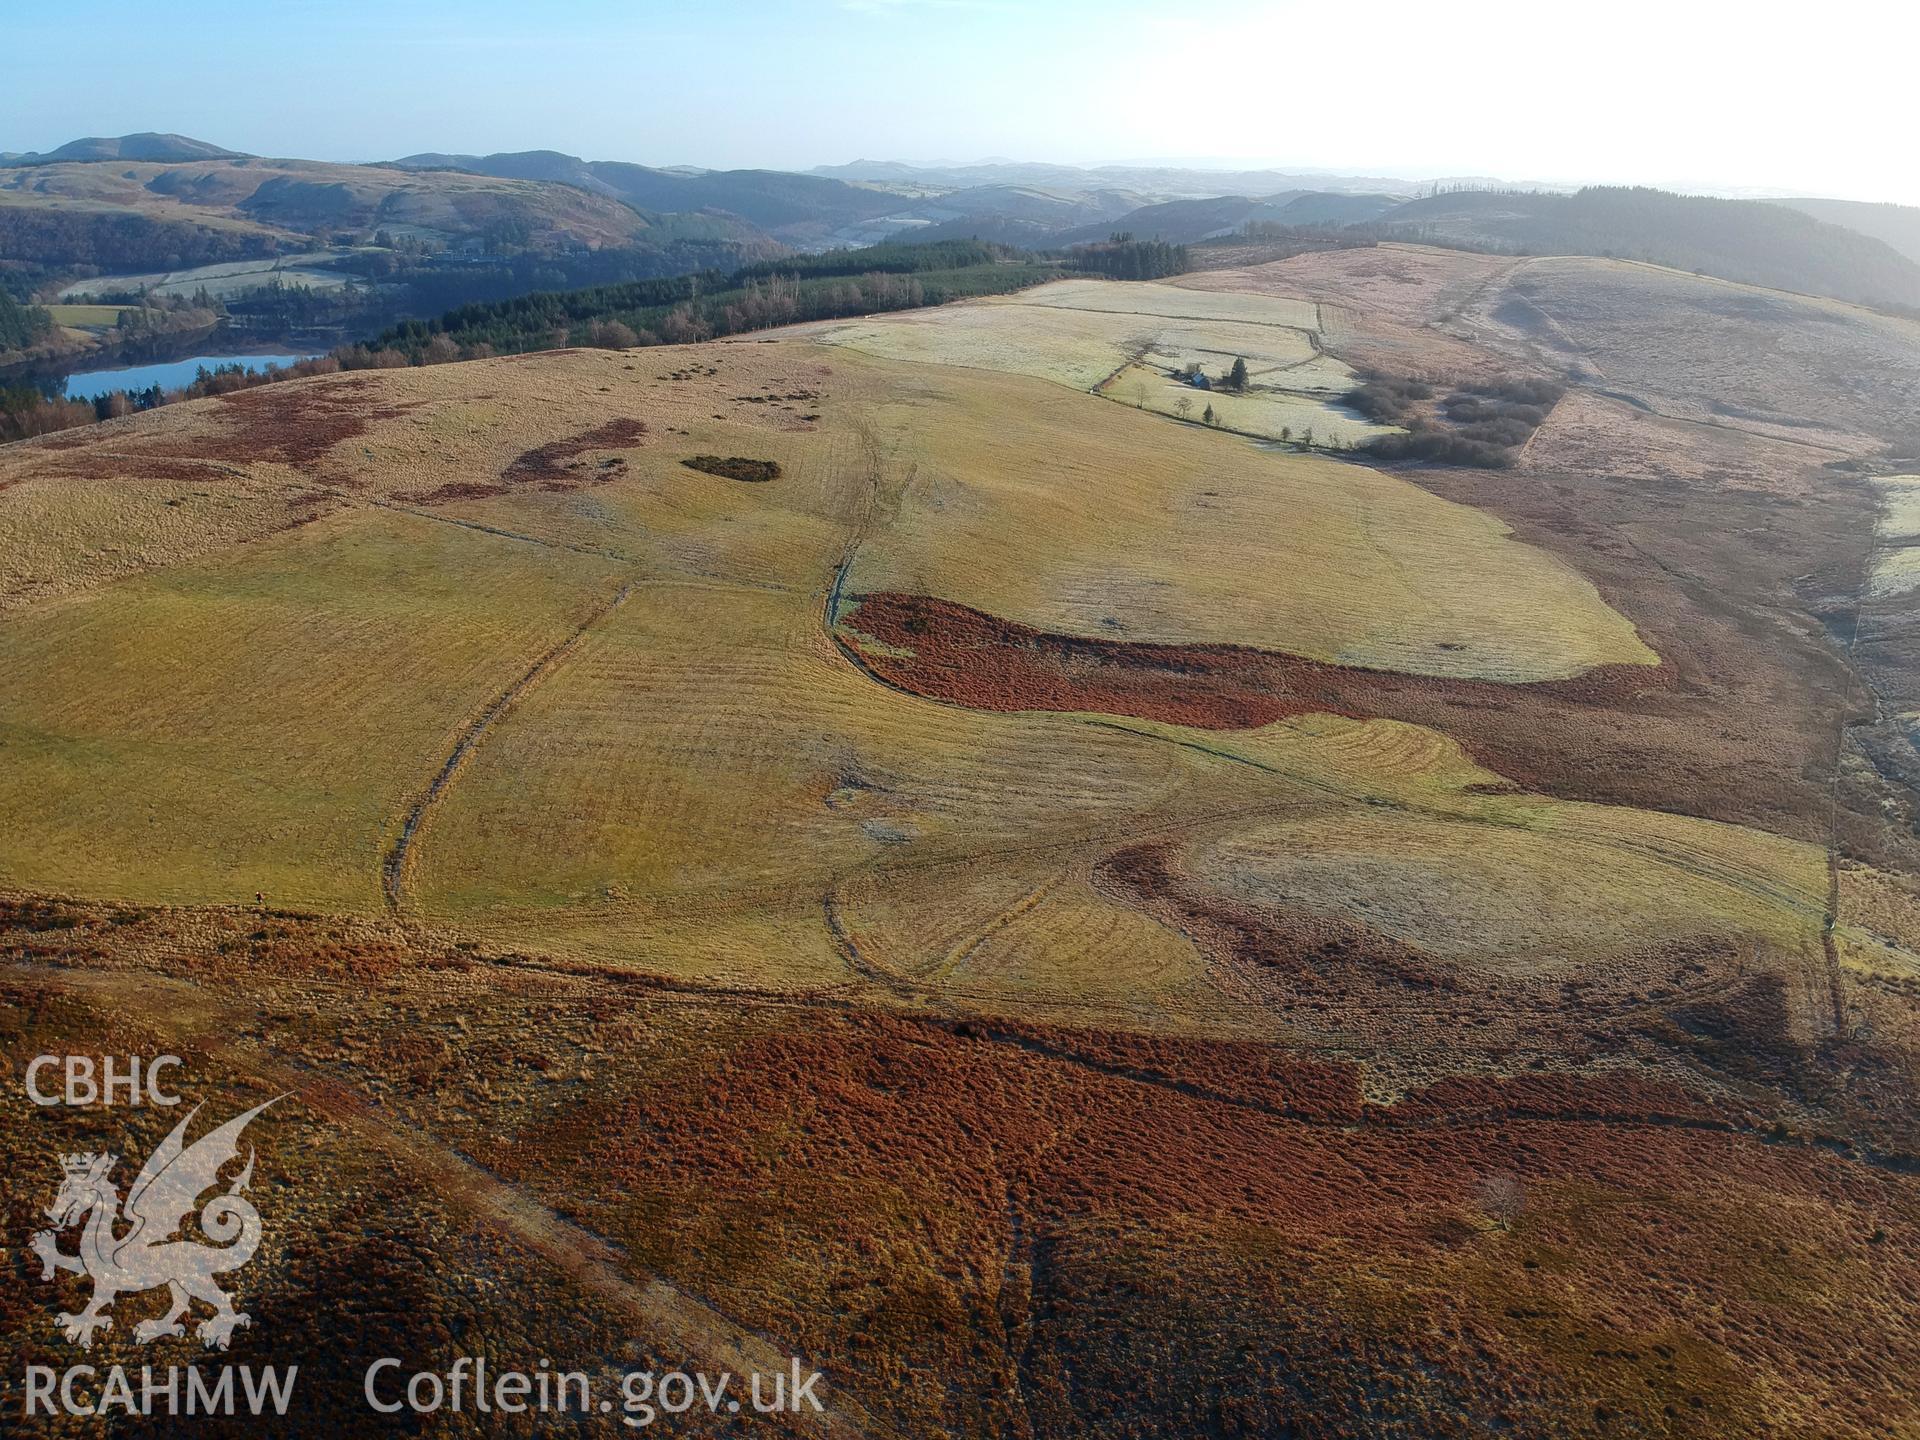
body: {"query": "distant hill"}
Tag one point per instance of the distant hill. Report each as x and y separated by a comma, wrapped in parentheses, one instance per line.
(1895, 225)
(377, 243)
(794, 208)
(278, 200)
(1181, 222)
(1026, 215)
(146, 146)
(1186, 222)
(1153, 182)
(1009, 203)
(1751, 241)
(1320, 207)
(546, 165)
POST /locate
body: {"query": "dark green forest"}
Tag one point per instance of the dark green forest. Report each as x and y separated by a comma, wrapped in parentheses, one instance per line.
(1124, 258)
(38, 244)
(20, 325)
(683, 308)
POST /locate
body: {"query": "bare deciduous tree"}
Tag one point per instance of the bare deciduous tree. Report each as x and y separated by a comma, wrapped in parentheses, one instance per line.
(1502, 1197)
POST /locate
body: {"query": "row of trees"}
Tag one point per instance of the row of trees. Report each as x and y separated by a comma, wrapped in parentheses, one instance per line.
(673, 310)
(685, 308)
(1121, 257)
(678, 309)
(894, 258)
(26, 411)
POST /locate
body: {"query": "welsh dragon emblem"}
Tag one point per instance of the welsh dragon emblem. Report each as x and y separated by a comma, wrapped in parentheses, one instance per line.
(151, 1252)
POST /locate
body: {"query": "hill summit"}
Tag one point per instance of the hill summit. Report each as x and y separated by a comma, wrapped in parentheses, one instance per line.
(148, 145)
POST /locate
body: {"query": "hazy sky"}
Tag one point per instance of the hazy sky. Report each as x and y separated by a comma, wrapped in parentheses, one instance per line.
(1803, 98)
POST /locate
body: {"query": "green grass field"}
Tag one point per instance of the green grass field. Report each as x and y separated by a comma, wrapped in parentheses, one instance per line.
(86, 317)
(1126, 341)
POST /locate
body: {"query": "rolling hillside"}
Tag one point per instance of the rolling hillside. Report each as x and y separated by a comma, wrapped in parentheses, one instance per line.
(794, 208)
(148, 146)
(895, 842)
(375, 243)
(1160, 182)
(272, 200)
(1183, 222)
(1896, 225)
(1749, 241)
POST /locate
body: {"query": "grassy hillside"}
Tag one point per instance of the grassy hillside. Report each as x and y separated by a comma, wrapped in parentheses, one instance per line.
(280, 197)
(841, 843)
(1745, 240)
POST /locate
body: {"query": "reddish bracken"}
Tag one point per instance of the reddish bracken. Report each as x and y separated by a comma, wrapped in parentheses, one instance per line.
(296, 425)
(950, 652)
(546, 465)
(1645, 735)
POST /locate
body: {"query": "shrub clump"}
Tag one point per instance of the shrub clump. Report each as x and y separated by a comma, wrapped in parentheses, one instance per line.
(735, 467)
(1475, 425)
(1389, 399)
(1438, 446)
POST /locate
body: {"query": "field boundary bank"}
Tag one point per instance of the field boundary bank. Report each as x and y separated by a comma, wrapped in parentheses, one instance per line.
(393, 869)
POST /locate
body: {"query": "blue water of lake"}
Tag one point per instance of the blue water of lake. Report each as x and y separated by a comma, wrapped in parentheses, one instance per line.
(169, 376)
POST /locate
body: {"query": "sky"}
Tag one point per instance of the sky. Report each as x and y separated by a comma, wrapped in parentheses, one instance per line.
(1800, 99)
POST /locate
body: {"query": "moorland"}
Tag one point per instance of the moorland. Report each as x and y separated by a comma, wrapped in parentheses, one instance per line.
(889, 839)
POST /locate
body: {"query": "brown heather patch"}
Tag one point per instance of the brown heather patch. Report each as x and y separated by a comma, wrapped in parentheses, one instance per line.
(968, 1211)
(556, 466)
(548, 465)
(1243, 1072)
(1012, 1227)
(1619, 1096)
(104, 464)
(1310, 950)
(452, 490)
(295, 424)
(949, 651)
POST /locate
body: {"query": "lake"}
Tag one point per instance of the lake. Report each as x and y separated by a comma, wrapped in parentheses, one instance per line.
(168, 376)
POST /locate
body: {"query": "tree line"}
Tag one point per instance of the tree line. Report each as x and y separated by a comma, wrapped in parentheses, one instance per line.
(1121, 257)
(668, 310)
(677, 309)
(680, 309)
(37, 244)
(1480, 425)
